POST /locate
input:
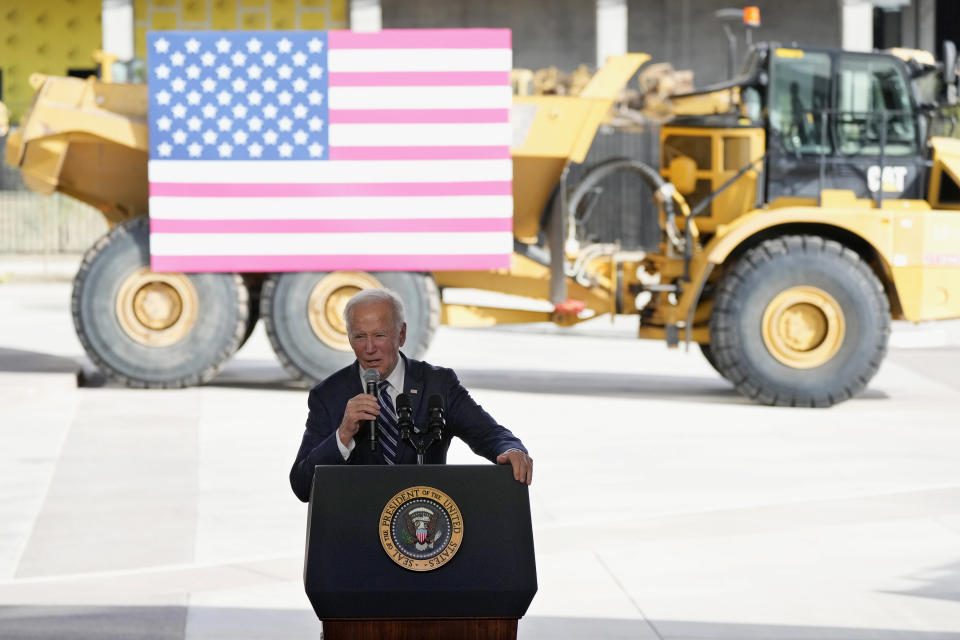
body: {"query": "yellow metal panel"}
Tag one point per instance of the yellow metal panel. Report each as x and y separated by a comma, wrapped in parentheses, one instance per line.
(607, 82)
(253, 21)
(926, 263)
(194, 11)
(556, 125)
(338, 14)
(253, 3)
(313, 3)
(313, 21)
(224, 14)
(283, 14)
(165, 20)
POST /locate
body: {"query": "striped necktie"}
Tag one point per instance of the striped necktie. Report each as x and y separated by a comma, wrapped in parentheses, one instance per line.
(387, 425)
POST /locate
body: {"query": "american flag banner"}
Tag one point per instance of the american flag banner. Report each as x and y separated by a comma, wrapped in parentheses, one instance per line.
(330, 150)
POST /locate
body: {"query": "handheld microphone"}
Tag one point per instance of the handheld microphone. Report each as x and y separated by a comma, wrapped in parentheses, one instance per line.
(404, 416)
(435, 421)
(371, 378)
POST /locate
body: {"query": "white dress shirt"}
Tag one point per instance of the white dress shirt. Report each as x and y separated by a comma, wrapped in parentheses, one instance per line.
(395, 388)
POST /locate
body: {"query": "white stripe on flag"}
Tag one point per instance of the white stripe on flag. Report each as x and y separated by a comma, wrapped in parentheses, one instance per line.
(186, 171)
(421, 97)
(215, 244)
(395, 208)
(392, 135)
(341, 60)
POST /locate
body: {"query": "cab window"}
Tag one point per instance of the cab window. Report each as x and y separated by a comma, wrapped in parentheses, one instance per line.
(799, 96)
(873, 108)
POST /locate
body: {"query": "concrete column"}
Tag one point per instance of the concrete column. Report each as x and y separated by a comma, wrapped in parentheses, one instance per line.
(857, 25)
(926, 17)
(365, 15)
(611, 29)
(117, 28)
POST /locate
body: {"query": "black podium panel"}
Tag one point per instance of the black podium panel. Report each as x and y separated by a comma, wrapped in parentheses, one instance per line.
(348, 575)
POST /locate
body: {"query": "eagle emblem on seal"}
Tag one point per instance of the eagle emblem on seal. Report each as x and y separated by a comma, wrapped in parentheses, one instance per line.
(420, 528)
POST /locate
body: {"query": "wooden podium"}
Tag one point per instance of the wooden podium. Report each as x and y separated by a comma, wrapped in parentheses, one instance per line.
(419, 552)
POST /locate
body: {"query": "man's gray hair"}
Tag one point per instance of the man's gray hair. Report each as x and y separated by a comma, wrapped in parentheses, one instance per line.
(368, 296)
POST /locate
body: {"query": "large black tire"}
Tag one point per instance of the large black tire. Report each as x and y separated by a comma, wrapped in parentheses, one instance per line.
(206, 329)
(707, 352)
(303, 315)
(799, 321)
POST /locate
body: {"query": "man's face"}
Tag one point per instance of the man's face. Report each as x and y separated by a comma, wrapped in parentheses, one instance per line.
(374, 336)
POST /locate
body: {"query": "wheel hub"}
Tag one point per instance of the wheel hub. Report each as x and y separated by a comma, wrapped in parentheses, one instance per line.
(803, 327)
(327, 301)
(156, 309)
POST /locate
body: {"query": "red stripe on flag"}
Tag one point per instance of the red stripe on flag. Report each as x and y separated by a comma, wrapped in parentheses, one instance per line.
(419, 78)
(421, 39)
(332, 190)
(193, 264)
(418, 116)
(420, 153)
(352, 225)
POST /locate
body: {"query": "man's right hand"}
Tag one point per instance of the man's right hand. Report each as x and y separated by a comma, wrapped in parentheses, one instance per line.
(359, 407)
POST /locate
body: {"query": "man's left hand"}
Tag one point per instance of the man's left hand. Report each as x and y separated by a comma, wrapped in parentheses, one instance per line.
(522, 465)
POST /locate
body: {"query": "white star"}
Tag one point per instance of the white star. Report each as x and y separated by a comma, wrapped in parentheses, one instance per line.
(162, 45)
(179, 136)
(315, 45)
(316, 150)
(164, 149)
(223, 45)
(269, 85)
(162, 72)
(254, 123)
(299, 59)
(177, 58)
(195, 149)
(285, 71)
(224, 123)
(163, 124)
(254, 97)
(240, 137)
(238, 59)
(253, 45)
(210, 136)
(209, 111)
(239, 85)
(315, 123)
(224, 97)
(239, 111)
(299, 85)
(285, 123)
(178, 85)
(193, 72)
(208, 59)
(315, 71)
(270, 137)
(269, 59)
(208, 85)
(284, 46)
(193, 98)
(269, 112)
(225, 150)
(300, 137)
(254, 72)
(163, 98)
(285, 98)
(179, 111)
(223, 72)
(255, 150)
(300, 111)
(315, 97)
(193, 45)
(194, 123)
(286, 149)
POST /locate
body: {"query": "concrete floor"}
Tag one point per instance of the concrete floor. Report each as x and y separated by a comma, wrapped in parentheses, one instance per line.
(664, 504)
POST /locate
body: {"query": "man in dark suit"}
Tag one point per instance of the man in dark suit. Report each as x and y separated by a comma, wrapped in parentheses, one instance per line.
(336, 430)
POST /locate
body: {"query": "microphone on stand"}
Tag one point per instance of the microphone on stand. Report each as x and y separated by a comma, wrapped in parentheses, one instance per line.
(371, 378)
(404, 416)
(435, 420)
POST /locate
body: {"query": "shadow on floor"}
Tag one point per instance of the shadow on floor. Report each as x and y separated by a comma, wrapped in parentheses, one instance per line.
(19, 361)
(200, 623)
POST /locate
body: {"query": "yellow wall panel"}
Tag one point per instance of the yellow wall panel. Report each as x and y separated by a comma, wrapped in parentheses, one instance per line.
(194, 11)
(251, 21)
(47, 36)
(224, 14)
(165, 20)
(283, 14)
(338, 14)
(313, 4)
(253, 3)
(313, 21)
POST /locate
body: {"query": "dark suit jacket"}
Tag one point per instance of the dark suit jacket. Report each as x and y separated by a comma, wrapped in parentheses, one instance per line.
(464, 417)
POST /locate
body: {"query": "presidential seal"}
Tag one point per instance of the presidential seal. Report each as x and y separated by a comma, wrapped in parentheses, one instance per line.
(421, 528)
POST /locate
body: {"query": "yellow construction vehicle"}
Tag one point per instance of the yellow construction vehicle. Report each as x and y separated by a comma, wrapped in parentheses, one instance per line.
(801, 206)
